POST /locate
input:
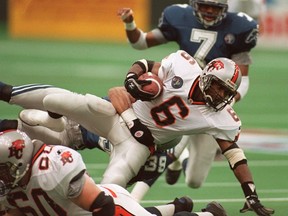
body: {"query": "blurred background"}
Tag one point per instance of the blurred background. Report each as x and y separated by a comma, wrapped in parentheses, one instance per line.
(95, 20)
(82, 46)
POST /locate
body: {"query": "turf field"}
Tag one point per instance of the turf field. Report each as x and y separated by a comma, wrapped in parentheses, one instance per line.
(94, 68)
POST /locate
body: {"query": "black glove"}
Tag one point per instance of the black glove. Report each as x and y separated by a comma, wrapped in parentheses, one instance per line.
(253, 204)
(142, 134)
(134, 87)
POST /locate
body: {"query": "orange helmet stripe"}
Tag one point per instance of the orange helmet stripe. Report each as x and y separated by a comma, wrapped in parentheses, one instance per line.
(236, 74)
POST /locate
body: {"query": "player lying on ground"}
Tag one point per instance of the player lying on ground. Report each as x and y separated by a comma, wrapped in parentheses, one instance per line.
(38, 179)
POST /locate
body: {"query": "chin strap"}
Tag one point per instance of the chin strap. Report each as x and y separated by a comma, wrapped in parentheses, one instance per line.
(19, 176)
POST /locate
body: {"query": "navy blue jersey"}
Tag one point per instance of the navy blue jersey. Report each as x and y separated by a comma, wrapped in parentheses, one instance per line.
(235, 34)
(155, 165)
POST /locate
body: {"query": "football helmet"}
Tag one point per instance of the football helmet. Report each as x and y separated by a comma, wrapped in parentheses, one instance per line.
(221, 4)
(16, 150)
(219, 82)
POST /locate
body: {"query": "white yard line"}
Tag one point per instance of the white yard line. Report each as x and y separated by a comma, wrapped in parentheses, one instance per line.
(218, 200)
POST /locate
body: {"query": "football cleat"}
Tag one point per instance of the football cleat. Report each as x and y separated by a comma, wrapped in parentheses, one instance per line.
(183, 204)
(172, 176)
(34, 117)
(215, 208)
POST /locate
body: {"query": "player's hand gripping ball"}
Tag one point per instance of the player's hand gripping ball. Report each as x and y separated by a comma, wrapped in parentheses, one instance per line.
(155, 87)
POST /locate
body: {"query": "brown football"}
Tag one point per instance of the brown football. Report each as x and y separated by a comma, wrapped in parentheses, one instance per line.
(156, 86)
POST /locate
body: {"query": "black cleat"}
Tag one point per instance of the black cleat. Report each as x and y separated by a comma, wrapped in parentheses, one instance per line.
(183, 204)
(215, 208)
(172, 176)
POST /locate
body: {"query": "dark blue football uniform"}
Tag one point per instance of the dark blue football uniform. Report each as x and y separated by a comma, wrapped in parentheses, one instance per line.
(235, 34)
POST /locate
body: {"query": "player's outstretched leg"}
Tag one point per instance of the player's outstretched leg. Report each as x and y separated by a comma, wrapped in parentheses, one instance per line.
(34, 117)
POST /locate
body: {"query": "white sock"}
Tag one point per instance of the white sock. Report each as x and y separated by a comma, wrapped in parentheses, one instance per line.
(139, 190)
(204, 214)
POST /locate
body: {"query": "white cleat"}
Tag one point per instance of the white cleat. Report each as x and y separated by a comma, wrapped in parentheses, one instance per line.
(34, 117)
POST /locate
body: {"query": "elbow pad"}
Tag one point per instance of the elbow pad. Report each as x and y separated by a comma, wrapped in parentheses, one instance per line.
(244, 86)
(235, 156)
(141, 44)
(106, 203)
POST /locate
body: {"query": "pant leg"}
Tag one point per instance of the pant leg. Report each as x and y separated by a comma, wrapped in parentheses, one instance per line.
(93, 113)
(99, 116)
(31, 96)
(202, 150)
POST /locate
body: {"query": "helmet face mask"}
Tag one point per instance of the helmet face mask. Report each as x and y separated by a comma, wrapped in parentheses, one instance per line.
(208, 19)
(219, 82)
(217, 94)
(6, 179)
(16, 152)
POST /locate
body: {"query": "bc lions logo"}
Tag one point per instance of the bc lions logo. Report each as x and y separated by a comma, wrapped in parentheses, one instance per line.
(66, 157)
(16, 150)
(215, 64)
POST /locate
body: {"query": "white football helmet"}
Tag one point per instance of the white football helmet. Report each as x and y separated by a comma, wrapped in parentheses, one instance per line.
(222, 4)
(16, 151)
(219, 82)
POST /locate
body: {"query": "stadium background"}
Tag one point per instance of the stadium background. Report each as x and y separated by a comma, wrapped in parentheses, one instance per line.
(90, 54)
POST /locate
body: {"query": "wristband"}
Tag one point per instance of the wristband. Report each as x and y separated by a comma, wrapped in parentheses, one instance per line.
(249, 189)
(130, 26)
(128, 116)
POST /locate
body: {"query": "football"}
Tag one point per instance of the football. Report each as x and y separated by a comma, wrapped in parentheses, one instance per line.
(156, 86)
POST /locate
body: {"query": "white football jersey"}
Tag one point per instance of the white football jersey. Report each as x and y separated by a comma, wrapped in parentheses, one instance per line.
(53, 168)
(174, 114)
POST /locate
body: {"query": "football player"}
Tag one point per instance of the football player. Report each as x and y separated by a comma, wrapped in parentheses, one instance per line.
(45, 179)
(206, 31)
(190, 95)
(77, 137)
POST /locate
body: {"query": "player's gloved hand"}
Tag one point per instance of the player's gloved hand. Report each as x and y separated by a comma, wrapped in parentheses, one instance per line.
(126, 15)
(134, 87)
(142, 134)
(253, 204)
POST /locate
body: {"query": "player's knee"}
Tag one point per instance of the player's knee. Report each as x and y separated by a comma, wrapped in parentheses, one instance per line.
(52, 102)
(120, 171)
(194, 182)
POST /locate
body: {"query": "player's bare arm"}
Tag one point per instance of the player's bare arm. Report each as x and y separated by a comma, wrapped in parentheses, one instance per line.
(120, 99)
(138, 38)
